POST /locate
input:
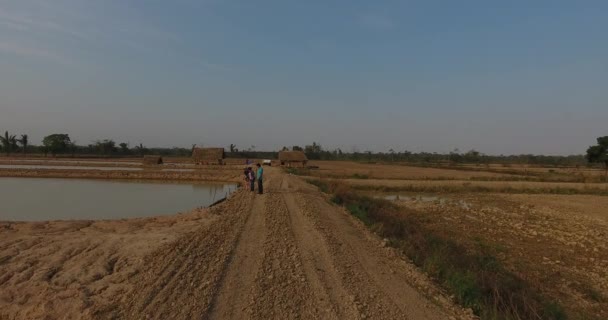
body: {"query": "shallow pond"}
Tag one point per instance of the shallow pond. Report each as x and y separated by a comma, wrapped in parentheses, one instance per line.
(36, 199)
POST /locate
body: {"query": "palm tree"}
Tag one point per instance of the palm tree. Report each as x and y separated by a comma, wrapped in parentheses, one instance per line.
(24, 142)
(8, 142)
(141, 149)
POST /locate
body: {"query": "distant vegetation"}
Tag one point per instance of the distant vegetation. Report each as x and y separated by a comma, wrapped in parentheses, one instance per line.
(599, 152)
(63, 145)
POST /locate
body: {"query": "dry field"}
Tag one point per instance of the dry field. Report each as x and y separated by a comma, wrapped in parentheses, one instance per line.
(556, 241)
(464, 185)
(589, 172)
(346, 169)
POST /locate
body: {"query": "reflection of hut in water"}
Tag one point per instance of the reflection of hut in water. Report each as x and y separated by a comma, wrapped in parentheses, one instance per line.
(152, 160)
(208, 155)
(293, 158)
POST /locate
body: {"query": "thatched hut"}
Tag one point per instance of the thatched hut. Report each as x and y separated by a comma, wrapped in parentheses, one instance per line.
(150, 160)
(293, 158)
(208, 155)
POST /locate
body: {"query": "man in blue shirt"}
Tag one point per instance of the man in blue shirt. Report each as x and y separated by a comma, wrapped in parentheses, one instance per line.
(260, 176)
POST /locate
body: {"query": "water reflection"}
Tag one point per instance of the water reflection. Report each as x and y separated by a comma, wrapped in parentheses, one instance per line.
(32, 199)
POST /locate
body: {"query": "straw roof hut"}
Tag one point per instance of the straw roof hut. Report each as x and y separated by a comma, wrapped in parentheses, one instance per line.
(208, 155)
(293, 158)
(149, 160)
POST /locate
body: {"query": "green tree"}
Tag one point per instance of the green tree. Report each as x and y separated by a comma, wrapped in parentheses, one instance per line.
(297, 148)
(455, 156)
(232, 147)
(472, 156)
(56, 143)
(124, 147)
(599, 153)
(24, 141)
(106, 146)
(392, 152)
(72, 147)
(8, 142)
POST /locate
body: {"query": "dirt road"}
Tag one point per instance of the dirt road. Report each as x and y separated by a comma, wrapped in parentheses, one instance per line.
(287, 254)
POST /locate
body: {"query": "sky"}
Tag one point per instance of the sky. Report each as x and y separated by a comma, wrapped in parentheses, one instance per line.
(501, 77)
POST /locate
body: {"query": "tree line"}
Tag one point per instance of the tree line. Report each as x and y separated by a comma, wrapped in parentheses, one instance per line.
(62, 144)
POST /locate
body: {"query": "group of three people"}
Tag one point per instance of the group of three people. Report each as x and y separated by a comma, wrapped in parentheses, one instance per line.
(251, 176)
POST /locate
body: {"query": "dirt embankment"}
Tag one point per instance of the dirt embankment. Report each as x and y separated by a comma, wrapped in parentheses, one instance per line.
(286, 254)
(225, 175)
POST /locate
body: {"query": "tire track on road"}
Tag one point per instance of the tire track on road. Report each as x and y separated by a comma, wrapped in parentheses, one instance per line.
(234, 294)
(377, 281)
(330, 296)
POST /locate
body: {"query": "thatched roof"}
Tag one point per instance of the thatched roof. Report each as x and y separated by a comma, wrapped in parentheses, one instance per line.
(292, 156)
(149, 160)
(208, 154)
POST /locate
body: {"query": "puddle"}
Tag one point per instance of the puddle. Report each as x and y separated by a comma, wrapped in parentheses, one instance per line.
(37, 199)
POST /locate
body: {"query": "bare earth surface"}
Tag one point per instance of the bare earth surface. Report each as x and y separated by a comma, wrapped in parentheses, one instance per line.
(287, 254)
(345, 169)
(557, 241)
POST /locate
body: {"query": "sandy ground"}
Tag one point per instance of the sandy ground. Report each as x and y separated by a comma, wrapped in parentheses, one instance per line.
(61, 269)
(559, 243)
(283, 255)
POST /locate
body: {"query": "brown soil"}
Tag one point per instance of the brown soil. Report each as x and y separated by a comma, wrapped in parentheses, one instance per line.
(557, 243)
(283, 255)
(346, 169)
(521, 185)
(592, 206)
(61, 269)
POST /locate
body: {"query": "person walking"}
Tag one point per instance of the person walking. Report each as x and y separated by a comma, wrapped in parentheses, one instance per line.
(251, 177)
(260, 177)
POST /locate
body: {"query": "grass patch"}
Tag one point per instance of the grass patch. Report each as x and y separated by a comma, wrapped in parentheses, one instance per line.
(475, 277)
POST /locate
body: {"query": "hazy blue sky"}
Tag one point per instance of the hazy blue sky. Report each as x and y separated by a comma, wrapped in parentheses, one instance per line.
(497, 76)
